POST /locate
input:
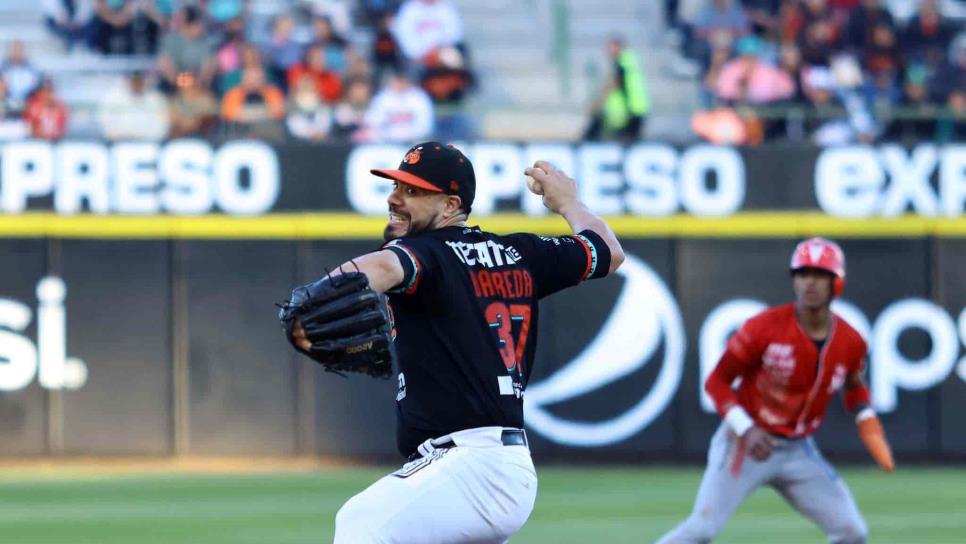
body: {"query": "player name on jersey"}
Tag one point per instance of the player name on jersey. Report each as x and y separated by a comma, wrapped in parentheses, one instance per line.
(505, 284)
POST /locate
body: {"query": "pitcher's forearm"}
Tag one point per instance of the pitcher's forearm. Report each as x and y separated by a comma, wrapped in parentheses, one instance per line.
(580, 218)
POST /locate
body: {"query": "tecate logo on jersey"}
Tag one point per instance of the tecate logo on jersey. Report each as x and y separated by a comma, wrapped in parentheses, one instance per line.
(181, 177)
(644, 179)
(646, 314)
(489, 254)
(47, 361)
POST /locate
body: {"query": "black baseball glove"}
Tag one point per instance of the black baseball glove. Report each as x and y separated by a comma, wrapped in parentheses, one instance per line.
(346, 322)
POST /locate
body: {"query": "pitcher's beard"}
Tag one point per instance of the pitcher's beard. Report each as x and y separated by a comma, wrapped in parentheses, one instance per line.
(397, 227)
(390, 233)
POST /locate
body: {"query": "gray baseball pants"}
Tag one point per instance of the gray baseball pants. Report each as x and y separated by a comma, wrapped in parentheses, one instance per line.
(796, 469)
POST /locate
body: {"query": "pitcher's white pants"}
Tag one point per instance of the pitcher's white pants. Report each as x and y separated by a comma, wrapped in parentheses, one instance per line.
(478, 492)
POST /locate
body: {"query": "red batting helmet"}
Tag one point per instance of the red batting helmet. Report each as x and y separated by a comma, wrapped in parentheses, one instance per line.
(824, 255)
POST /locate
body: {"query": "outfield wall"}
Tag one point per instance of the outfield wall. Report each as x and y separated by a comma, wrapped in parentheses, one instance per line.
(156, 334)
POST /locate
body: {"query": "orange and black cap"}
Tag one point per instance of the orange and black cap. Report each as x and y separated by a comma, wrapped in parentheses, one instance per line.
(436, 167)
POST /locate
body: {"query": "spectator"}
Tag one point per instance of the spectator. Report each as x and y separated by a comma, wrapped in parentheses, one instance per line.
(350, 113)
(763, 16)
(882, 63)
(12, 126)
(124, 27)
(338, 12)
(915, 92)
(281, 52)
(336, 47)
(186, 51)
(309, 118)
(385, 51)
(917, 120)
(448, 81)
(401, 112)
(672, 18)
(254, 108)
(728, 126)
(797, 16)
(45, 114)
(722, 21)
(167, 9)
(376, 10)
(709, 83)
(790, 62)
(621, 109)
(446, 78)
(112, 27)
(952, 122)
(328, 85)
(847, 72)
(928, 35)
(19, 75)
(863, 21)
(228, 54)
(949, 81)
(133, 111)
(360, 69)
(192, 109)
(882, 91)
(882, 53)
(825, 120)
(70, 20)
(424, 25)
(251, 59)
(693, 48)
(222, 11)
(146, 26)
(749, 80)
(827, 123)
(818, 42)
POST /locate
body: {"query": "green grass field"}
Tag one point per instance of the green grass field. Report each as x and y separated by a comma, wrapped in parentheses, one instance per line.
(604, 505)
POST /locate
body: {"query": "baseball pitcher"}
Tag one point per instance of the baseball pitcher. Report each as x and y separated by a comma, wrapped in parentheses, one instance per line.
(462, 320)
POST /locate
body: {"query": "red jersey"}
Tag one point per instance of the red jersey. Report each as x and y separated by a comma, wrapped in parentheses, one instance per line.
(786, 384)
(47, 121)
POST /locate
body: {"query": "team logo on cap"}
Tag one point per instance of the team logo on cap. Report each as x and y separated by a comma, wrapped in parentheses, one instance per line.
(413, 156)
(815, 251)
(453, 186)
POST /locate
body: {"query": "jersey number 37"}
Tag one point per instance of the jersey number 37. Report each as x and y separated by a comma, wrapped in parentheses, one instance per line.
(503, 319)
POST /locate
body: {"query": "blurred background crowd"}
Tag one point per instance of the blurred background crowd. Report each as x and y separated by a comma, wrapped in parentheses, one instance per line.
(835, 71)
(727, 71)
(219, 68)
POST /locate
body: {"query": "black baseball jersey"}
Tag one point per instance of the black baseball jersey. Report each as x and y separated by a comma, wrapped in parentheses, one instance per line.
(465, 322)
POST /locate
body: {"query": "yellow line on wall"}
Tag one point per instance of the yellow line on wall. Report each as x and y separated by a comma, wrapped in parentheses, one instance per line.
(322, 226)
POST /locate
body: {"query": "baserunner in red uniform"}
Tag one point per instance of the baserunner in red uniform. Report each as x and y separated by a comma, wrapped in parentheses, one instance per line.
(791, 360)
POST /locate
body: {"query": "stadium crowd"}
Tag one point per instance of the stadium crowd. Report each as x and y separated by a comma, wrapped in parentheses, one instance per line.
(832, 71)
(216, 72)
(826, 71)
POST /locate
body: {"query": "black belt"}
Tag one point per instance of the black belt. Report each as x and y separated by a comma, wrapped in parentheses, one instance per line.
(509, 437)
